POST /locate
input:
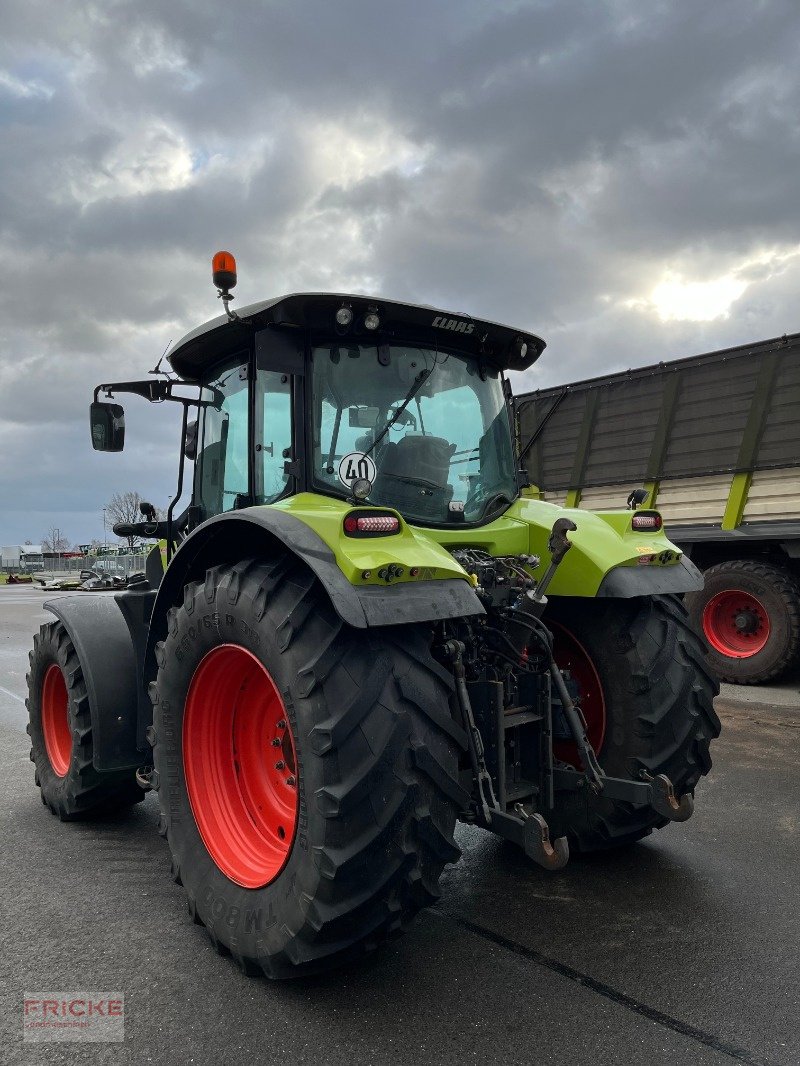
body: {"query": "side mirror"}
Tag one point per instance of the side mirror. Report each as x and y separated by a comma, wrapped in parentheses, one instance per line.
(190, 440)
(107, 421)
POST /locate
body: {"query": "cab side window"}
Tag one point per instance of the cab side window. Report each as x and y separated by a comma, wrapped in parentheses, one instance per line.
(274, 434)
(223, 461)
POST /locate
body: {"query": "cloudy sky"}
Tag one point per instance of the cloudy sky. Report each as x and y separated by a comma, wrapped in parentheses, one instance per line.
(619, 176)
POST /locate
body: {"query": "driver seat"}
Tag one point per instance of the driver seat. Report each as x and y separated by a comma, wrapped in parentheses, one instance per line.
(416, 456)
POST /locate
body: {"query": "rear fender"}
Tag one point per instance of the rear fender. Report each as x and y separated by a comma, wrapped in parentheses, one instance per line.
(109, 633)
(626, 581)
(260, 532)
(608, 557)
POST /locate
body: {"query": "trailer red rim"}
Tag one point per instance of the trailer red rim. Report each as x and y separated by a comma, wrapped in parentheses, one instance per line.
(584, 682)
(240, 766)
(55, 720)
(736, 624)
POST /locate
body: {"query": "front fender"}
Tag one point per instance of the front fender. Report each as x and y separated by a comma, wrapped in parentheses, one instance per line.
(108, 631)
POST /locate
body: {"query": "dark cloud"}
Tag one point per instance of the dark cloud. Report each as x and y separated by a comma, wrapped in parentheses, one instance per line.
(547, 163)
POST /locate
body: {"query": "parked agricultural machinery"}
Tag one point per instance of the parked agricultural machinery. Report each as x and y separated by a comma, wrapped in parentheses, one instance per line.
(364, 633)
(714, 441)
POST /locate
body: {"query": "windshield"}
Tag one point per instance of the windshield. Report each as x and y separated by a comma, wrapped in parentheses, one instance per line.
(429, 429)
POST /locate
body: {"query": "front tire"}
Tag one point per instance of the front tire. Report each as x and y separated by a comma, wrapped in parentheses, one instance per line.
(368, 742)
(60, 729)
(646, 693)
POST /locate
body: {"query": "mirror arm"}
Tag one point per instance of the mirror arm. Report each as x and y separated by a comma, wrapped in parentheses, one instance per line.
(154, 391)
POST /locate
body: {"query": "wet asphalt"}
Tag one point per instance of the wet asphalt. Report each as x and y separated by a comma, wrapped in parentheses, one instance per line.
(682, 950)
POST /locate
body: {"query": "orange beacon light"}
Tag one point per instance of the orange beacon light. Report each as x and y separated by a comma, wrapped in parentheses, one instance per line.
(223, 271)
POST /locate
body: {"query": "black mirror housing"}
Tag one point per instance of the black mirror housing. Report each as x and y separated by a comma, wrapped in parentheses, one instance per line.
(190, 440)
(107, 423)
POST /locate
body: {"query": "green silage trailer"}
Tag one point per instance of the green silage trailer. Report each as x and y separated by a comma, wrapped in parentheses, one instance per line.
(714, 442)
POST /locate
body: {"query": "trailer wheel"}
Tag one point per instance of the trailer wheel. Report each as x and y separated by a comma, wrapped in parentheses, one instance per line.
(646, 692)
(749, 614)
(308, 771)
(60, 729)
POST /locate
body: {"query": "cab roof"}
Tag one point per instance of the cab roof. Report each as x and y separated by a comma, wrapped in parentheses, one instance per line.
(501, 346)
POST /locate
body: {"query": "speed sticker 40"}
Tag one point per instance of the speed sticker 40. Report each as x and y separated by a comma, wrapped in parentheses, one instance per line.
(356, 465)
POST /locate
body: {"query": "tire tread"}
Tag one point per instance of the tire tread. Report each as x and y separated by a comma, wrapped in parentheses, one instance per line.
(388, 820)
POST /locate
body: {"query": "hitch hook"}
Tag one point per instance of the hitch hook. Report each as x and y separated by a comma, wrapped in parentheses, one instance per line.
(147, 778)
(537, 845)
(664, 800)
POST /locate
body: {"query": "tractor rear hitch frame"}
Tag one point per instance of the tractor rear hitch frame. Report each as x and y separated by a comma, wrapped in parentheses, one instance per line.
(528, 831)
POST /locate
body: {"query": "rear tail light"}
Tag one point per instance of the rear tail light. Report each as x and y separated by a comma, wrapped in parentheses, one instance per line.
(646, 521)
(359, 524)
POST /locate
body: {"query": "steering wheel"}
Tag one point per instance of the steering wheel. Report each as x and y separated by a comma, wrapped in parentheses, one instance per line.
(399, 422)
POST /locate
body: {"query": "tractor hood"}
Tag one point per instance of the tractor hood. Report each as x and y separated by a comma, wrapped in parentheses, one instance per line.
(501, 346)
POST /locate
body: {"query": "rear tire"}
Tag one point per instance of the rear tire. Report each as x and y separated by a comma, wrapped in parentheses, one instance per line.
(765, 599)
(658, 715)
(376, 755)
(60, 729)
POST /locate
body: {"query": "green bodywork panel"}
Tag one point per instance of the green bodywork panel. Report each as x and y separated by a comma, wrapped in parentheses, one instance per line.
(602, 541)
(410, 548)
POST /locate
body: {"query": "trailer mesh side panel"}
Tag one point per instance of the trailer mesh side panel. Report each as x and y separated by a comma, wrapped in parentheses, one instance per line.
(627, 413)
(710, 418)
(781, 439)
(716, 414)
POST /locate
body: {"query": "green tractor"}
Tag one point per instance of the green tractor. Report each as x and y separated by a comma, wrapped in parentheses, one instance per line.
(361, 630)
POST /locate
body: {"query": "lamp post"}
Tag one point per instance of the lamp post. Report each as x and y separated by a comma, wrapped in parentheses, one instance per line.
(105, 538)
(57, 548)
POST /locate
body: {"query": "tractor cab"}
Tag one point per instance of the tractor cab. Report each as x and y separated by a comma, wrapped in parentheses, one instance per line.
(385, 403)
(421, 428)
(373, 401)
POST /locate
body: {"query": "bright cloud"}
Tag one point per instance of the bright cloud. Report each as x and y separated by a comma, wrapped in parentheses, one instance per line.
(678, 300)
(149, 158)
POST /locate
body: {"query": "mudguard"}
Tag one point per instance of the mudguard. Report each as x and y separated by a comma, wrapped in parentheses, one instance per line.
(625, 582)
(109, 631)
(252, 531)
(234, 535)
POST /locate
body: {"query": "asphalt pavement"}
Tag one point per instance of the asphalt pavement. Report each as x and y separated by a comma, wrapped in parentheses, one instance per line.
(682, 950)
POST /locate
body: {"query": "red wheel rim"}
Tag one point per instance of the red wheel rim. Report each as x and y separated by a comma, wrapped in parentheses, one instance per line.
(55, 720)
(240, 766)
(573, 659)
(736, 624)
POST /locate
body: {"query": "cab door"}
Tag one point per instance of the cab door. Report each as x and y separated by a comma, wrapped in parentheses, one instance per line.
(278, 415)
